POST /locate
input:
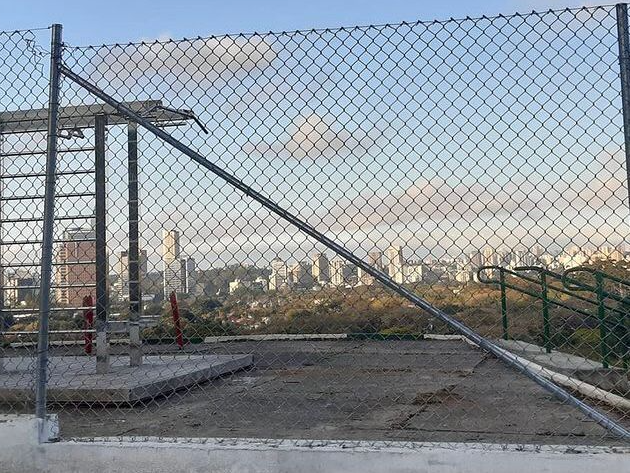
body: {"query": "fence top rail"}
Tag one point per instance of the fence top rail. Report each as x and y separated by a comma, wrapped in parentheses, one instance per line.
(349, 29)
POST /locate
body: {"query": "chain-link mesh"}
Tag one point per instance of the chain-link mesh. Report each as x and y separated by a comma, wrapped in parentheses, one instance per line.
(474, 161)
(23, 86)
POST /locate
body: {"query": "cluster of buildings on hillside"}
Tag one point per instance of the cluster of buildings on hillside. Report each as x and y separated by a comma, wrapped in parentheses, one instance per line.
(321, 271)
(75, 273)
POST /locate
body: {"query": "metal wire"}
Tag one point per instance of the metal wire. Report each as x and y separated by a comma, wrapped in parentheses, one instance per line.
(469, 175)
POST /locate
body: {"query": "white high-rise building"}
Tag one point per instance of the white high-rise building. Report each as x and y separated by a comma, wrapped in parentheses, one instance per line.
(374, 259)
(463, 270)
(319, 269)
(396, 264)
(363, 278)
(279, 275)
(489, 257)
(171, 262)
(188, 267)
(413, 273)
(121, 286)
(337, 272)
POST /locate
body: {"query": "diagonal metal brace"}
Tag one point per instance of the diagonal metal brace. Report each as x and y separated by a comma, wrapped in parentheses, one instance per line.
(508, 358)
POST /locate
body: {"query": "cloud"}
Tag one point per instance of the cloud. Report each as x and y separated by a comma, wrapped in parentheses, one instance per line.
(437, 199)
(314, 136)
(195, 60)
(440, 215)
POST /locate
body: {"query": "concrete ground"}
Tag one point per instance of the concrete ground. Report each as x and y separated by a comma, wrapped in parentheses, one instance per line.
(74, 378)
(351, 390)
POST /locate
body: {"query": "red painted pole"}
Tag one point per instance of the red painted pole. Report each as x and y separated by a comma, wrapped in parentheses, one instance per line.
(88, 323)
(178, 328)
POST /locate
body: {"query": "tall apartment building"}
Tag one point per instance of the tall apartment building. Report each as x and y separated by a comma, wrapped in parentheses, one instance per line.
(279, 275)
(490, 257)
(375, 259)
(396, 264)
(338, 272)
(188, 266)
(76, 268)
(171, 262)
(300, 275)
(319, 269)
(121, 268)
(476, 260)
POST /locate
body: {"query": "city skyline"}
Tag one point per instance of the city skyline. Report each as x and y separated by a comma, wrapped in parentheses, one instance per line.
(74, 258)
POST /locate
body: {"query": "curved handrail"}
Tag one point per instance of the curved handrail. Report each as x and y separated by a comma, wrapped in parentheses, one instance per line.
(587, 287)
(537, 295)
(570, 286)
(602, 295)
(561, 277)
(501, 269)
(608, 276)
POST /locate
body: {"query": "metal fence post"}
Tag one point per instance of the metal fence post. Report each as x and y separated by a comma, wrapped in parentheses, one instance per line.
(48, 223)
(102, 302)
(2, 312)
(623, 39)
(135, 302)
(504, 319)
(545, 312)
(601, 315)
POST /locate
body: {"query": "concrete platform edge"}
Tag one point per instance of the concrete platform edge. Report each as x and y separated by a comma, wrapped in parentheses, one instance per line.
(21, 451)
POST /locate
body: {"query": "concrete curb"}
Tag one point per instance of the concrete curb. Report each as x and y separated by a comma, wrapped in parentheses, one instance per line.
(21, 452)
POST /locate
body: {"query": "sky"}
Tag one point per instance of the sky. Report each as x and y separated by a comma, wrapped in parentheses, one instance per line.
(122, 21)
(441, 138)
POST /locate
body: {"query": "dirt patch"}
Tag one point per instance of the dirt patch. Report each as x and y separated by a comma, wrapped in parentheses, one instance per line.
(441, 396)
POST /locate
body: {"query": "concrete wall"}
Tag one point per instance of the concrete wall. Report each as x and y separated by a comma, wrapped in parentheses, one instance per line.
(21, 452)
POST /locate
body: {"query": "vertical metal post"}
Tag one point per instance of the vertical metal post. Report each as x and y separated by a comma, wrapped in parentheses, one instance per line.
(135, 296)
(623, 323)
(545, 312)
(2, 314)
(504, 319)
(48, 223)
(601, 315)
(102, 302)
(623, 40)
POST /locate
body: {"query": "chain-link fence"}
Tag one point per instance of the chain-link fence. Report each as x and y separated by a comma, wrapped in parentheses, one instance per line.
(410, 232)
(23, 86)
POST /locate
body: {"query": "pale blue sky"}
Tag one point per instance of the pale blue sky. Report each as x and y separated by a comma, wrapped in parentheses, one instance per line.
(123, 21)
(501, 132)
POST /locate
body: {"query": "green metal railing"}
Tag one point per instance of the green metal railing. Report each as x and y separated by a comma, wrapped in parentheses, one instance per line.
(571, 287)
(602, 295)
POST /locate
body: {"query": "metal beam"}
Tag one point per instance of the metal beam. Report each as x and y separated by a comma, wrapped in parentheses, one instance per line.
(82, 116)
(133, 255)
(102, 302)
(623, 40)
(49, 222)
